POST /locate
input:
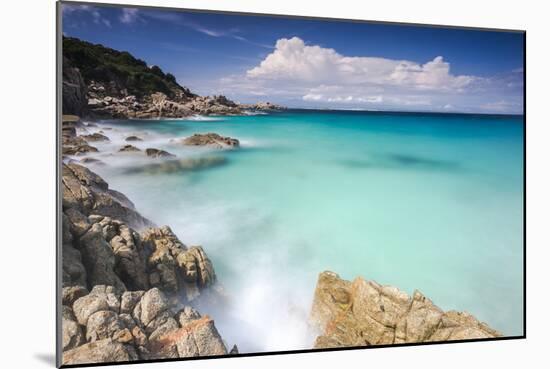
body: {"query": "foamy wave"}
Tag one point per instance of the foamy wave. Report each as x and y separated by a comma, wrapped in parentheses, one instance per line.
(248, 112)
(202, 118)
(250, 143)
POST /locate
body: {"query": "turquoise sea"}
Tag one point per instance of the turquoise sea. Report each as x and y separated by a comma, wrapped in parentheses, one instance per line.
(432, 202)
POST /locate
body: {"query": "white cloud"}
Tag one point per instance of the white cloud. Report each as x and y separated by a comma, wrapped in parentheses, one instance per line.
(129, 15)
(313, 97)
(293, 60)
(97, 17)
(297, 74)
(343, 99)
(71, 8)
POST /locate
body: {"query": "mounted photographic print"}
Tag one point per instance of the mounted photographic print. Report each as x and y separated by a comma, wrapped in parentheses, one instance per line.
(234, 184)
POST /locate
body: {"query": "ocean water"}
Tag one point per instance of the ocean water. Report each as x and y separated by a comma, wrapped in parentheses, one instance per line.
(431, 202)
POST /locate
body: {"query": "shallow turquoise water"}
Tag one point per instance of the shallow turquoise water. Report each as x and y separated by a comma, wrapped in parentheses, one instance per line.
(420, 201)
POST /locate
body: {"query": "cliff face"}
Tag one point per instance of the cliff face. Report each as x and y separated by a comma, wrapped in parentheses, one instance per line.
(364, 313)
(74, 90)
(103, 82)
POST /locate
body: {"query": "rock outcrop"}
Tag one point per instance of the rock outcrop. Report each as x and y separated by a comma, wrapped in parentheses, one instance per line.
(263, 106)
(364, 313)
(109, 326)
(74, 90)
(125, 294)
(87, 194)
(213, 140)
(71, 143)
(173, 266)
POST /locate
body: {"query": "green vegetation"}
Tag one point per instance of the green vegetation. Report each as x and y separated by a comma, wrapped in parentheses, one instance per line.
(105, 65)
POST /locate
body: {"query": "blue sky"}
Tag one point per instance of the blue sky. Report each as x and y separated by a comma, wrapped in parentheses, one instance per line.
(316, 64)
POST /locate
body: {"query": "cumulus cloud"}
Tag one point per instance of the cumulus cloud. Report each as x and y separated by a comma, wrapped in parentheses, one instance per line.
(303, 75)
(343, 98)
(293, 60)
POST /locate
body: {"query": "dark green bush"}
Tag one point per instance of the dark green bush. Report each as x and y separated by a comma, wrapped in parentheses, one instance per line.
(102, 64)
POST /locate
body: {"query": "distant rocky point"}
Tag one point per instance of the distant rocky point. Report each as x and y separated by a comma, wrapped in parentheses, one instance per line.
(262, 106)
(364, 313)
(101, 82)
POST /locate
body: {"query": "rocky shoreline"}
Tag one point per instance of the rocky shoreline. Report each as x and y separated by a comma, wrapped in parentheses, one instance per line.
(126, 293)
(129, 286)
(365, 313)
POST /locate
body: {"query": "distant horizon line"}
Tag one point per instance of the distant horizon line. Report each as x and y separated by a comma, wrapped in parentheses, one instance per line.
(404, 111)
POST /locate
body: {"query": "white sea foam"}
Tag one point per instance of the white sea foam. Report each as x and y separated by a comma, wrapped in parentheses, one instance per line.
(249, 112)
(269, 298)
(203, 118)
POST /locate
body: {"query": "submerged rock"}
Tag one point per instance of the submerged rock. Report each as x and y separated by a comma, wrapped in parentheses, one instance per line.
(128, 148)
(156, 153)
(133, 139)
(95, 137)
(364, 313)
(180, 165)
(89, 160)
(211, 140)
